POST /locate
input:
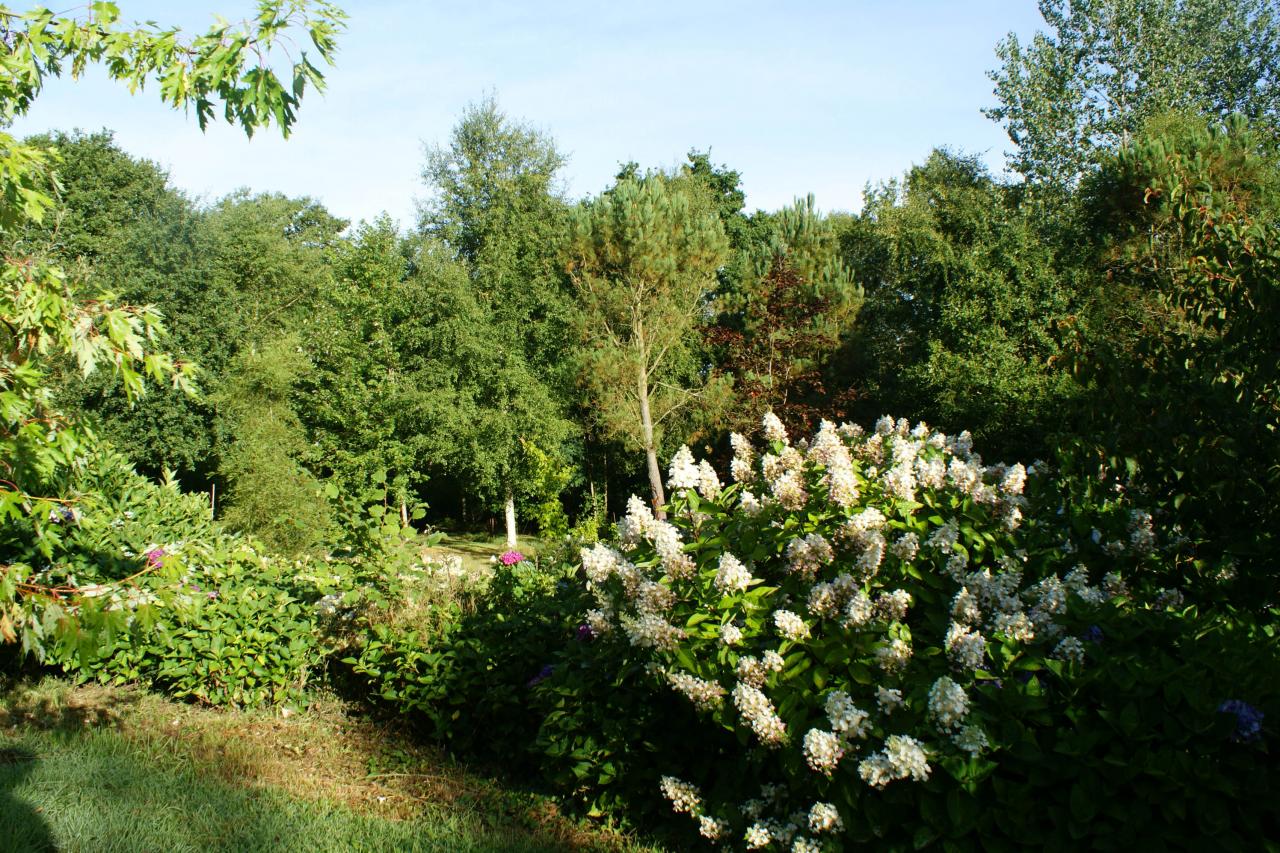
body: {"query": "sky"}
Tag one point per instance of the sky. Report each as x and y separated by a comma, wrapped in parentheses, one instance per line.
(799, 97)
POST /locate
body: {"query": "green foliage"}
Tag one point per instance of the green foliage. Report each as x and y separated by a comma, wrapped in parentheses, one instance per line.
(962, 298)
(1107, 66)
(362, 401)
(469, 679)
(548, 477)
(1178, 346)
(270, 495)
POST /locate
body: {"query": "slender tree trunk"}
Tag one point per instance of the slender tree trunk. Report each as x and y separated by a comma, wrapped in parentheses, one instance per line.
(650, 452)
(511, 522)
(404, 513)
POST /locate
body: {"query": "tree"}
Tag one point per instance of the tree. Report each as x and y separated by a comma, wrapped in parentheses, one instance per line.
(499, 206)
(644, 258)
(270, 494)
(1179, 349)
(782, 315)
(1106, 66)
(499, 210)
(119, 226)
(362, 338)
(962, 297)
(42, 317)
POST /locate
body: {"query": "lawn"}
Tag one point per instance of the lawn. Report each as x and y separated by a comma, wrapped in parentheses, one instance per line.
(478, 549)
(97, 769)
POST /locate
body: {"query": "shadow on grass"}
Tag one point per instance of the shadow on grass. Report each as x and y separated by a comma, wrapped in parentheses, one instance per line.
(21, 826)
(96, 791)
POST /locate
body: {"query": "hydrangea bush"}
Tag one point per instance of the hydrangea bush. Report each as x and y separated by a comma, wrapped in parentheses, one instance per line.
(864, 611)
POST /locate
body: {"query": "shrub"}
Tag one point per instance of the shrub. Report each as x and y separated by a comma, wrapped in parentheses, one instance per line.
(906, 649)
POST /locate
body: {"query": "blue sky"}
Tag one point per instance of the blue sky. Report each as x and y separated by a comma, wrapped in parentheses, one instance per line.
(800, 97)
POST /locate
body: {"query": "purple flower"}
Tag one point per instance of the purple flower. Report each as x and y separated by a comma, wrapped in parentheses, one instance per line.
(1093, 634)
(1248, 720)
(155, 558)
(543, 675)
(510, 558)
(585, 633)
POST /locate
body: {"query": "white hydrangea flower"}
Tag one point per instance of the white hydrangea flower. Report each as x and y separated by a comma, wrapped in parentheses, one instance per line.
(751, 671)
(944, 538)
(670, 547)
(872, 555)
(956, 565)
(653, 597)
(600, 622)
(892, 606)
(759, 714)
(773, 428)
(823, 600)
(885, 425)
(1142, 536)
(875, 770)
(1015, 626)
(789, 491)
(1015, 480)
(636, 523)
(889, 699)
(971, 739)
(705, 695)
(894, 656)
(931, 473)
(772, 661)
(599, 562)
(1070, 649)
(807, 554)
(964, 607)
(900, 482)
(685, 798)
(948, 703)
(732, 576)
(649, 630)
(966, 647)
(712, 828)
(824, 817)
(906, 547)
(805, 845)
(790, 625)
(822, 751)
(846, 718)
(902, 756)
(859, 610)
(907, 757)
(683, 473)
(708, 482)
(758, 836)
(730, 634)
(749, 504)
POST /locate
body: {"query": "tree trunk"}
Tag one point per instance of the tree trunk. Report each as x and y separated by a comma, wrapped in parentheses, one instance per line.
(404, 513)
(650, 452)
(511, 522)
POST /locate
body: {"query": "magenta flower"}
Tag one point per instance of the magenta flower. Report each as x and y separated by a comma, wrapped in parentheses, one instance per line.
(155, 558)
(510, 558)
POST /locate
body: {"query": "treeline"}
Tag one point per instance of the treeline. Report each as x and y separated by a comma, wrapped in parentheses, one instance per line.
(1107, 307)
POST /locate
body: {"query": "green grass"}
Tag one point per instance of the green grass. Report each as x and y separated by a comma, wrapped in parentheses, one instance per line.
(123, 771)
